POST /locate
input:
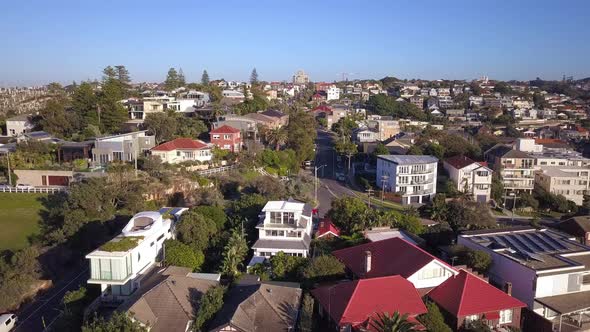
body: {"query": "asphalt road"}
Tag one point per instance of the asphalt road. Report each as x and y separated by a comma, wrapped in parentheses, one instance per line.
(46, 308)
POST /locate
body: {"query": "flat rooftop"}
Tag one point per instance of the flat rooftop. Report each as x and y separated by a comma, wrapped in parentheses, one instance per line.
(409, 160)
(539, 249)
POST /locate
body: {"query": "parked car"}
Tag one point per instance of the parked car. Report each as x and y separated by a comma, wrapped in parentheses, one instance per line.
(7, 322)
(4, 186)
(340, 177)
(24, 186)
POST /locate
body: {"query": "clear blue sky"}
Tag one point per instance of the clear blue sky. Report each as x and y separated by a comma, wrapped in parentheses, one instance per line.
(44, 41)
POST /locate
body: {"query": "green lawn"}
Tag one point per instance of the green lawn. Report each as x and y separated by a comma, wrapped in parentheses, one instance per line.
(19, 218)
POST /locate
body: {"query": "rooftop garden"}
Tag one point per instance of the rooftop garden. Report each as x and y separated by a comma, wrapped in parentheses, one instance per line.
(121, 244)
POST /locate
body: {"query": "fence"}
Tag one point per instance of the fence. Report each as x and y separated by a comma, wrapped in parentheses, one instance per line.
(207, 172)
(33, 190)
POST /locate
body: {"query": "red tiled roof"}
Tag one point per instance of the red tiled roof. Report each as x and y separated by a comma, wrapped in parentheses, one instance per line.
(548, 140)
(181, 143)
(326, 226)
(355, 302)
(322, 108)
(225, 129)
(408, 258)
(459, 162)
(466, 294)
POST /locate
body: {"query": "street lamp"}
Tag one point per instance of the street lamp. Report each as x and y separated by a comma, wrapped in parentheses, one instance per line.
(315, 182)
(513, 195)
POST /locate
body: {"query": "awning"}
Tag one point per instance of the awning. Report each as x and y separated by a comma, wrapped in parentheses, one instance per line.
(492, 315)
(567, 303)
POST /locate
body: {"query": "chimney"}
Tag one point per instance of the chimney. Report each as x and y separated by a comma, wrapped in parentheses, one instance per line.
(368, 257)
(508, 288)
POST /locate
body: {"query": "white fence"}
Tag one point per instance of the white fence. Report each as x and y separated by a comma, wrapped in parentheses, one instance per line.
(33, 190)
(207, 172)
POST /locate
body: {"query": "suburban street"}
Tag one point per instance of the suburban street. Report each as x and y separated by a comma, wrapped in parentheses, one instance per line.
(46, 308)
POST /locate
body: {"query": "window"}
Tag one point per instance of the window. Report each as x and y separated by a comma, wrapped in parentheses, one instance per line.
(178, 153)
(506, 316)
(160, 237)
(275, 217)
(215, 136)
(289, 218)
(152, 244)
(226, 137)
(432, 273)
(471, 318)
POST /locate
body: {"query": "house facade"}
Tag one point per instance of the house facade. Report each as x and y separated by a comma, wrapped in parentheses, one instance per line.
(571, 182)
(413, 177)
(119, 265)
(183, 149)
(516, 168)
(470, 177)
(284, 226)
(547, 270)
(123, 147)
(18, 125)
(226, 138)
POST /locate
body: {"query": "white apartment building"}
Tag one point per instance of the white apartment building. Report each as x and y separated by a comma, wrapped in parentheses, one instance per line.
(413, 177)
(332, 93)
(119, 265)
(284, 226)
(547, 270)
(569, 181)
(470, 177)
(300, 77)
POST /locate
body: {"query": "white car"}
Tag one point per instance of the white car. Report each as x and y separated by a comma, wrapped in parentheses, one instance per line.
(7, 322)
(24, 186)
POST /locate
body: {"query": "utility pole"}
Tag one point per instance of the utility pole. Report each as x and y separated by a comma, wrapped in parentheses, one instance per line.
(384, 179)
(514, 198)
(369, 192)
(9, 171)
(315, 182)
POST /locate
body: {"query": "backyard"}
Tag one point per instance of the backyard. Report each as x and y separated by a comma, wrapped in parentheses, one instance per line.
(19, 219)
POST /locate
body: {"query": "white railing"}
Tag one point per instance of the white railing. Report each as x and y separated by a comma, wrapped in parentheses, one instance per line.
(222, 169)
(33, 190)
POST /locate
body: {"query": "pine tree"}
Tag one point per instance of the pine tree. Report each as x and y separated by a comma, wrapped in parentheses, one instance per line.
(123, 75)
(205, 78)
(181, 79)
(254, 77)
(109, 73)
(171, 79)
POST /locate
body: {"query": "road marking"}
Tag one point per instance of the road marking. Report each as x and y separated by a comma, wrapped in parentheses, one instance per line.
(21, 321)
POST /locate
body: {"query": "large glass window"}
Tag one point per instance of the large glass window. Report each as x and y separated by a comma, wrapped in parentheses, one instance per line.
(275, 217)
(506, 316)
(289, 218)
(110, 269)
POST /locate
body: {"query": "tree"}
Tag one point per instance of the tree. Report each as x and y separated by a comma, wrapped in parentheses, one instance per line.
(181, 78)
(347, 148)
(350, 214)
(109, 73)
(195, 230)
(123, 75)
(236, 250)
(387, 105)
(325, 267)
(277, 137)
(433, 320)
(380, 149)
(172, 82)
(306, 323)
(111, 113)
(254, 77)
(56, 120)
(118, 322)
(209, 304)
(180, 254)
(394, 323)
(84, 103)
(478, 260)
(476, 326)
(214, 213)
(285, 267)
(301, 135)
(162, 125)
(205, 78)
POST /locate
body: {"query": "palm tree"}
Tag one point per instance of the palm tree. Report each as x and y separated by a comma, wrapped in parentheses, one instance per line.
(276, 137)
(394, 323)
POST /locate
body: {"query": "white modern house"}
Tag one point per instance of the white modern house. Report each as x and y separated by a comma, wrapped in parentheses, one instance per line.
(183, 149)
(284, 226)
(123, 147)
(470, 177)
(549, 271)
(332, 93)
(18, 125)
(119, 265)
(413, 177)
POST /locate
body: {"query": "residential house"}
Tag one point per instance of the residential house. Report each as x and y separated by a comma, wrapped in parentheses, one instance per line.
(516, 168)
(353, 305)
(548, 271)
(383, 233)
(259, 306)
(475, 101)
(445, 102)
(319, 97)
(51, 178)
(385, 127)
(578, 226)
(233, 94)
(395, 256)
(263, 120)
(338, 112)
(366, 135)
(247, 126)
(327, 229)
(168, 300)
(418, 101)
(520, 103)
(226, 138)
(443, 92)
(413, 177)
(572, 182)
(18, 125)
(333, 93)
(282, 118)
(70, 151)
(454, 113)
(464, 298)
(284, 226)
(123, 147)
(470, 177)
(119, 265)
(183, 149)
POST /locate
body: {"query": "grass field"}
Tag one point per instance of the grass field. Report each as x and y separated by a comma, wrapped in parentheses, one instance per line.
(19, 218)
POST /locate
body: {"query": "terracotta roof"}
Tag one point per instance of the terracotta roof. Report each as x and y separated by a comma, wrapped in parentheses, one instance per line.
(466, 294)
(326, 226)
(408, 258)
(355, 302)
(225, 129)
(181, 143)
(459, 162)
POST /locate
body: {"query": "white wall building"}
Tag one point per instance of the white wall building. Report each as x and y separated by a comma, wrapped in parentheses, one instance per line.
(571, 182)
(118, 268)
(414, 177)
(332, 93)
(284, 226)
(18, 125)
(123, 147)
(547, 270)
(470, 177)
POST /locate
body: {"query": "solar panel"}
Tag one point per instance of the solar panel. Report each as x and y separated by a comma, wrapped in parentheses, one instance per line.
(516, 245)
(540, 239)
(544, 247)
(530, 245)
(500, 241)
(555, 244)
